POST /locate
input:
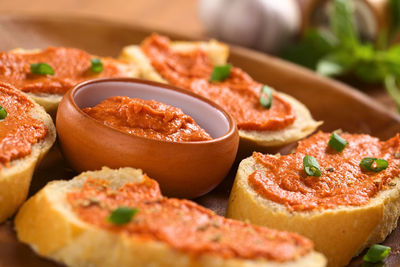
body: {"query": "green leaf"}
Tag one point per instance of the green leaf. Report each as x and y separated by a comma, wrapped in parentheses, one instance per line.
(393, 90)
(3, 113)
(342, 23)
(42, 68)
(96, 65)
(266, 97)
(394, 9)
(122, 215)
(316, 43)
(220, 73)
(335, 64)
(376, 253)
(374, 164)
(311, 166)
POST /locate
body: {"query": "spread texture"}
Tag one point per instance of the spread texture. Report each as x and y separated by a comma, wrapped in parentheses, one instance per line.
(182, 224)
(71, 66)
(18, 131)
(238, 94)
(147, 118)
(343, 180)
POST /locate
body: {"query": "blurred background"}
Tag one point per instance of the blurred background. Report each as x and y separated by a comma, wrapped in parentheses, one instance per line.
(355, 41)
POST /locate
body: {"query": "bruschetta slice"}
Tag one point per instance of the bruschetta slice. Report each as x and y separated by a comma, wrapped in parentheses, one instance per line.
(119, 218)
(45, 75)
(340, 190)
(26, 134)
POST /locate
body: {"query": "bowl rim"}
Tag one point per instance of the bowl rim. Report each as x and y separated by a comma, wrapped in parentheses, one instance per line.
(232, 124)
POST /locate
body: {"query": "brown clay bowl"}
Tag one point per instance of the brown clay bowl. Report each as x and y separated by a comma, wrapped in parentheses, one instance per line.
(183, 169)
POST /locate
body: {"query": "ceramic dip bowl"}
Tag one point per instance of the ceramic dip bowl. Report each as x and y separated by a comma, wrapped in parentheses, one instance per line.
(183, 169)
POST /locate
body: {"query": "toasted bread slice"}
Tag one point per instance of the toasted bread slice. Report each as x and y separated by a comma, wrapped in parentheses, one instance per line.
(340, 233)
(48, 223)
(218, 53)
(50, 101)
(15, 178)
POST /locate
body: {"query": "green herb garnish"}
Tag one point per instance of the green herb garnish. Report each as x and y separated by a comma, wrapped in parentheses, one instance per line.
(122, 215)
(220, 73)
(3, 113)
(266, 97)
(374, 164)
(42, 69)
(337, 142)
(376, 253)
(311, 166)
(96, 65)
(339, 50)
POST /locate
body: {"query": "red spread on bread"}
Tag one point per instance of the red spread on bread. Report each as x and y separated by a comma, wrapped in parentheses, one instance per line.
(147, 118)
(238, 94)
(343, 180)
(182, 224)
(18, 131)
(71, 66)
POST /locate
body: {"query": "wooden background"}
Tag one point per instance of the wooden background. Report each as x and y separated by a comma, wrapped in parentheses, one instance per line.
(177, 15)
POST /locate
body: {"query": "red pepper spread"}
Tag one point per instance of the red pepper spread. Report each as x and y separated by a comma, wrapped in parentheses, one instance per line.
(71, 66)
(238, 94)
(18, 131)
(147, 118)
(182, 224)
(343, 180)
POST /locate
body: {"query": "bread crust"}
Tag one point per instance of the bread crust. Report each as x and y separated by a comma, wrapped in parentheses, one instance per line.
(16, 178)
(48, 225)
(303, 126)
(50, 101)
(339, 233)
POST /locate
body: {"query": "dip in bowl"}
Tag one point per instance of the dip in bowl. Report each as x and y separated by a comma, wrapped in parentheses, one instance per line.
(183, 168)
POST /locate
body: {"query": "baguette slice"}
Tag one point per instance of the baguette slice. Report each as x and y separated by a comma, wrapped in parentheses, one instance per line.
(49, 225)
(218, 53)
(15, 178)
(50, 101)
(339, 233)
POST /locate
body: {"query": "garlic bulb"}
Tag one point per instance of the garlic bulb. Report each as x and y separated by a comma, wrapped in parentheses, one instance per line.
(266, 25)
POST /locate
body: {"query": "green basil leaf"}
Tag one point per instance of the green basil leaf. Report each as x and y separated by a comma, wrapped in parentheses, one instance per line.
(342, 23)
(3, 113)
(96, 65)
(42, 68)
(376, 253)
(335, 64)
(394, 9)
(311, 166)
(266, 97)
(220, 73)
(374, 164)
(122, 215)
(315, 44)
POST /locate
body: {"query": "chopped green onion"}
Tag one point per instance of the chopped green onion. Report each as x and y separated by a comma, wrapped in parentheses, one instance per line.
(42, 68)
(122, 215)
(374, 164)
(266, 102)
(3, 113)
(311, 166)
(337, 142)
(376, 253)
(220, 73)
(97, 65)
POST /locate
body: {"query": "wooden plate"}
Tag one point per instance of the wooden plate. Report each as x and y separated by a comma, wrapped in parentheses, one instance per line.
(336, 104)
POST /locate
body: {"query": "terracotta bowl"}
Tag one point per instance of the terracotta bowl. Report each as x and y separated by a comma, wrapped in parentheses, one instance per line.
(183, 169)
